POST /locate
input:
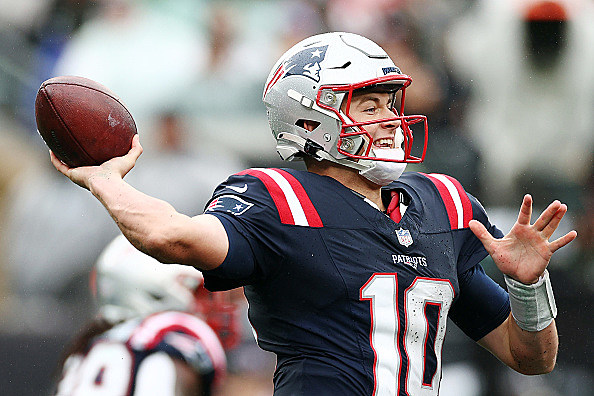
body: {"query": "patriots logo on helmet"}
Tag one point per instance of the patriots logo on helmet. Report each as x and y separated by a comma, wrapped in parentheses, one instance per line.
(306, 63)
(230, 204)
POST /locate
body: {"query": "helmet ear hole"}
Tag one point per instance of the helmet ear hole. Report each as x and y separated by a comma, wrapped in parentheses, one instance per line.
(309, 125)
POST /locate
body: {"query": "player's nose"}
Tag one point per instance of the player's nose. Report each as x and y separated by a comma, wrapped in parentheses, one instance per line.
(392, 122)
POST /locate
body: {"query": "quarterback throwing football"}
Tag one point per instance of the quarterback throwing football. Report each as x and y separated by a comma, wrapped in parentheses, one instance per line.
(352, 267)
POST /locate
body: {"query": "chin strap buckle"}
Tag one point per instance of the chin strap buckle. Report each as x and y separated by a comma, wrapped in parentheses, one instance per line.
(312, 148)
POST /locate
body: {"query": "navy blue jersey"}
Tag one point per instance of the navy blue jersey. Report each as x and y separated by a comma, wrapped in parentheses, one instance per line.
(350, 301)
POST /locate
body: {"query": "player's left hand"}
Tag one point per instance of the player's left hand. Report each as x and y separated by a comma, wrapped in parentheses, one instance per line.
(524, 253)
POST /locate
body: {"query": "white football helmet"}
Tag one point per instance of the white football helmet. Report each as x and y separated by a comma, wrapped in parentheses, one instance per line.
(128, 283)
(311, 81)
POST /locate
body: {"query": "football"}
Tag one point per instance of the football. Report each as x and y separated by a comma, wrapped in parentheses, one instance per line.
(82, 122)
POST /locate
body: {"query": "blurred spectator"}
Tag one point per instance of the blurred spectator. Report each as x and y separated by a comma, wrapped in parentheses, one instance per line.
(53, 231)
(54, 30)
(239, 36)
(235, 49)
(148, 56)
(584, 259)
(529, 64)
(17, 159)
(303, 18)
(198, 169)
(34, 33)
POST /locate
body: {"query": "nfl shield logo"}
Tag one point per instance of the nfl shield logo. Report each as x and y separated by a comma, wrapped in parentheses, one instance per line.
(404, 237)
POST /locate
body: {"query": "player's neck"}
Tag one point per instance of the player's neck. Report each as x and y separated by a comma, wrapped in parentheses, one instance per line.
(350, 178)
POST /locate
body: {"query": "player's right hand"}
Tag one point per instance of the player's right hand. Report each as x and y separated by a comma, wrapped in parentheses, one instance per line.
(116, 167)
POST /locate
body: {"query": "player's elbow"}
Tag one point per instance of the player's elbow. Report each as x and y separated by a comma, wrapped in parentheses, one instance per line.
(545, 366)
(535, 369)
(549, 367)
(200, 242)
(157, 244)
(536, 365)
(167, 246)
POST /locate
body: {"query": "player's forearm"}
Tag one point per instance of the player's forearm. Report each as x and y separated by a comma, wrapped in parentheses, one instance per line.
(154, 226)
(527, 352)
(533, 352)
(141, 218)
(533, 337)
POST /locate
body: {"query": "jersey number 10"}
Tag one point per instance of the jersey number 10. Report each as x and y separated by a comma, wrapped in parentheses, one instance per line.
(422, 329)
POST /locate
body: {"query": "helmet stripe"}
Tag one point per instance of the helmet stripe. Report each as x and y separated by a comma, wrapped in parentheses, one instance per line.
(274, 79)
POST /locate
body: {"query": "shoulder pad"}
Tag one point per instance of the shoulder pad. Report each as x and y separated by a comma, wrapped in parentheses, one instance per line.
(445, 204)
(456, 200)
(272, 187)
(155, 328)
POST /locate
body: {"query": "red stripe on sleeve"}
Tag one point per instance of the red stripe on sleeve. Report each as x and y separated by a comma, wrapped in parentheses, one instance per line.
(275, 192)
(447, 200)
(313, 218)
(466, 205)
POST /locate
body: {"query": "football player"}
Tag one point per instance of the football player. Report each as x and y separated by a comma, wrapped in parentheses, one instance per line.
(352, 267)
(158, 331)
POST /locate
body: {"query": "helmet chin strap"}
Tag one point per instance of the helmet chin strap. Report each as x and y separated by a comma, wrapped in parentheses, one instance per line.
(385, 172)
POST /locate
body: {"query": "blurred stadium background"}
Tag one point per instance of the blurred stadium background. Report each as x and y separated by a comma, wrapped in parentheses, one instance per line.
(508, 86)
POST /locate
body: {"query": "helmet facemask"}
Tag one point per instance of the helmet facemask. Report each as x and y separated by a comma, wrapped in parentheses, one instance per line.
(355, 141)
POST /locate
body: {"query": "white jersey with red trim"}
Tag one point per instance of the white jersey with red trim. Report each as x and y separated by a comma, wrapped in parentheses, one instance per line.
(115, 359)
(351, 301)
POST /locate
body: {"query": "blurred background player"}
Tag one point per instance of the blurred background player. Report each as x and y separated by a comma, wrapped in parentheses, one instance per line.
(158, 330)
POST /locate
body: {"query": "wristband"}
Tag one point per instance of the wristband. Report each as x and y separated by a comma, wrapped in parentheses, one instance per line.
(533, 306)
